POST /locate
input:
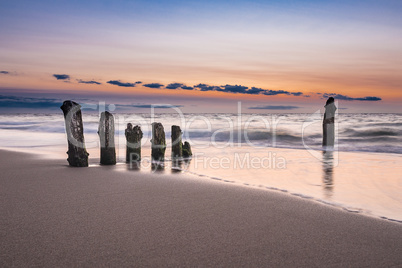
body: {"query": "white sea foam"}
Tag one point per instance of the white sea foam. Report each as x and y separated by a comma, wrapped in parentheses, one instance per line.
(381, 133)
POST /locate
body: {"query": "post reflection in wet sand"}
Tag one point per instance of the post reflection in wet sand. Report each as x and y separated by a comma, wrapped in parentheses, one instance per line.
(134, 165)
(176, 166)
(158, 166)
(179, 166)
(328, 173)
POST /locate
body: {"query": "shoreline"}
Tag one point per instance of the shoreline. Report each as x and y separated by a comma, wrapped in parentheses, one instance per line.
(236, 178)
(55, 215)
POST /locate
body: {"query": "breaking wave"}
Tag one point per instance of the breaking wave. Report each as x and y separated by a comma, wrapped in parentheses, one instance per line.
(356, 132)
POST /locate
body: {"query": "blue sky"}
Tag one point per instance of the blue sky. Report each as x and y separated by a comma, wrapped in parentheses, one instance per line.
(349, 48)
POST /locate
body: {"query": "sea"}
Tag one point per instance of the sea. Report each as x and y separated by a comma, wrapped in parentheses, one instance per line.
(272, 152)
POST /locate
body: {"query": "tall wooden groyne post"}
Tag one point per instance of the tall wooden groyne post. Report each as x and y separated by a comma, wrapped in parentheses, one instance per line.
(106, 135)
(328, 124)
(133, 146)
(158, 142)
(177, 146)
(77, 154)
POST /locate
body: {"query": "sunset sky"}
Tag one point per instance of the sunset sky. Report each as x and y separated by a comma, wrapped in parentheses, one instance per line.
(205, 56)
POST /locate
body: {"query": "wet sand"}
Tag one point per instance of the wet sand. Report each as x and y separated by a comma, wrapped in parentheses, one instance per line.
(368, 183)
(54, 215)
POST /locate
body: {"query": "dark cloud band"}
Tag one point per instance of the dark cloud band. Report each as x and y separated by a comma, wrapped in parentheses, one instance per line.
(245, 90)
(62, 76)
(120, 84)
(237, 89)
(174, 86)
(88, 82)
(153, 85)
(347, 98)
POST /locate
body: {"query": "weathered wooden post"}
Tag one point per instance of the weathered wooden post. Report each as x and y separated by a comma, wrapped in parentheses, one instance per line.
(177, 151)
(106, 135)
(187, 149)
(133, 147)
(77, 154)
(158, 142)
(328, 123)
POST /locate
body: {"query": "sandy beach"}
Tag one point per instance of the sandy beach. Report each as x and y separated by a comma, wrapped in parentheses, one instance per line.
(268, 133)
(53, 215)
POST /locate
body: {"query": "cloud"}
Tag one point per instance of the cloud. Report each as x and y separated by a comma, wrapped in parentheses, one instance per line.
(62, 76)
(255, 90)
(270, 92)
(275, 107)
(347, 98)
(205, 87)
(368, 99)
(88, 82)
(296, 93)
(153, 85)
(174, 86)
(239, 89)
(4, 72)
(120, 84)
(178, 86)
(234, 89)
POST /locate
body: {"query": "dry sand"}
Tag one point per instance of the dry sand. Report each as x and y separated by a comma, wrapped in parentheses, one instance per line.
(55, 216)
